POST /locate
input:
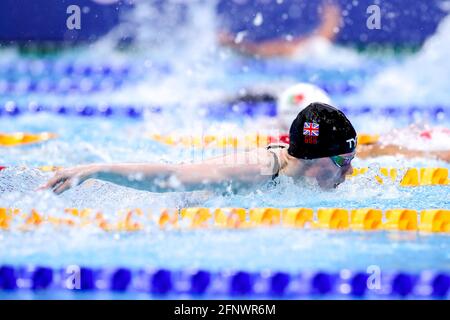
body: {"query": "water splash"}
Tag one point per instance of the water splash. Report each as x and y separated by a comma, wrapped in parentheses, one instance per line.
(421, 79)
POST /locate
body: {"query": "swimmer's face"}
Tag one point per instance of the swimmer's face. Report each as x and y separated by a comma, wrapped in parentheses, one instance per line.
(330, 174)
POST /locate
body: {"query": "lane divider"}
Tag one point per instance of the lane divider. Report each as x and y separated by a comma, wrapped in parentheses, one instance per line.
(218, 141)
(24, 138)
(80, 78)
(100, 82)
(21, 138)
(362, 219)
(65, 68)
(411, 177)
(42, 168)
(214, 110)
(269, 109)
(61, 86)
(61, 67)
(197, 282)
(251, 140)
(11, 108)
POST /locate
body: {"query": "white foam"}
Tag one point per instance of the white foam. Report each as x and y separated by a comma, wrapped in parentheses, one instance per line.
(322, 53)
(422, 79)
(18, 190)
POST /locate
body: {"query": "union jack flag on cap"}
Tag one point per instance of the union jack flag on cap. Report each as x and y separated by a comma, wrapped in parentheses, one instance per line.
(311, 129)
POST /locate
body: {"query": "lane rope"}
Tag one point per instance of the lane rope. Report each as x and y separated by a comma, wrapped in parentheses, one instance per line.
(248, 140)
(214, 110)
(24, 138)
(362, 219)
(198, 282)
(210, 140)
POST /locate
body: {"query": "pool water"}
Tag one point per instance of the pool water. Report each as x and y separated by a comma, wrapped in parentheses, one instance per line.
(281, 249)
(171, 96)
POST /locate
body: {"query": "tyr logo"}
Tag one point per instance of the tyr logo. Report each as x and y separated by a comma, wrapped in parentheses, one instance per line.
(351, 142)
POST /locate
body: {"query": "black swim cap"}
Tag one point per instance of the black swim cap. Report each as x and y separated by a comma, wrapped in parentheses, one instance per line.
(320, 131)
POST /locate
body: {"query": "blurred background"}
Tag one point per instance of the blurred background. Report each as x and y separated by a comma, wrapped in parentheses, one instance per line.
(207, 66)
(246, 37)
(406, 23)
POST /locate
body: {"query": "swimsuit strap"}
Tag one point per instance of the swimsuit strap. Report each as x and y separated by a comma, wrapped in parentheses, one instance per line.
(276, 158)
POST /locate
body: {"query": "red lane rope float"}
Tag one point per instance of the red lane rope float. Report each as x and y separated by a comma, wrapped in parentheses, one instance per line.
(362, 219)
(23, 138)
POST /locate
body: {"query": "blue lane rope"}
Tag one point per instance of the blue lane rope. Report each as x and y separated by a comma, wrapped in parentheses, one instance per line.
(91, 110)
(89, 84)
(84, 85)
(426, 284)
(220, 111)
(58, 68)
(73, 68)
(438, 112)
(34, 76)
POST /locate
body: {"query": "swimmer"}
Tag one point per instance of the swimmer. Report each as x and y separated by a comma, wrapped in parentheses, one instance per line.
(292, 99)
(322, 146)
(289, 98)
(277, 45)
(390, 145)
(295, 98)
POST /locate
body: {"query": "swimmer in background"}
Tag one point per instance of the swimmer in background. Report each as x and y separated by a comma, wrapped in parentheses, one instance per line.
(322, 146)
(386, 145)
(295, 98)
(396, 143)
(276, 42)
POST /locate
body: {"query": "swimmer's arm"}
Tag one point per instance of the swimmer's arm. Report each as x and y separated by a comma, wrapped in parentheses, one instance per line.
(266, 49)
(186, 173)
(195, 173)
(117, 173)
(214, 171)
(331, 18)
(176, 176)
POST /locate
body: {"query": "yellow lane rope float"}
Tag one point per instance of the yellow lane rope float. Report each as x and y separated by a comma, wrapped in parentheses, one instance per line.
(250, 140)
(411, 177)
(23, 138)
(362, 219)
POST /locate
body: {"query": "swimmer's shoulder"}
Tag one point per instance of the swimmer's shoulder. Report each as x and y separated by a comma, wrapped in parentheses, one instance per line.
(262, 155)
(276, 147)
(272, 150)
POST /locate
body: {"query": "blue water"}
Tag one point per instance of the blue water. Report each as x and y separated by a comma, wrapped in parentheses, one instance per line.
(280, 249)
(121, 139)
(86, 140)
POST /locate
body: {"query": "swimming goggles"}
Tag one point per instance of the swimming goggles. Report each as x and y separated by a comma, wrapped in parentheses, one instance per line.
(342, 161)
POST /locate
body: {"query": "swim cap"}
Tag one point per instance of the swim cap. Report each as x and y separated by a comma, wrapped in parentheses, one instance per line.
(319, 131)
(296, 98)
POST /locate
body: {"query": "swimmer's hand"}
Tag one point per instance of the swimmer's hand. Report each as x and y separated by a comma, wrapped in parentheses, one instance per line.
(67, 178)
